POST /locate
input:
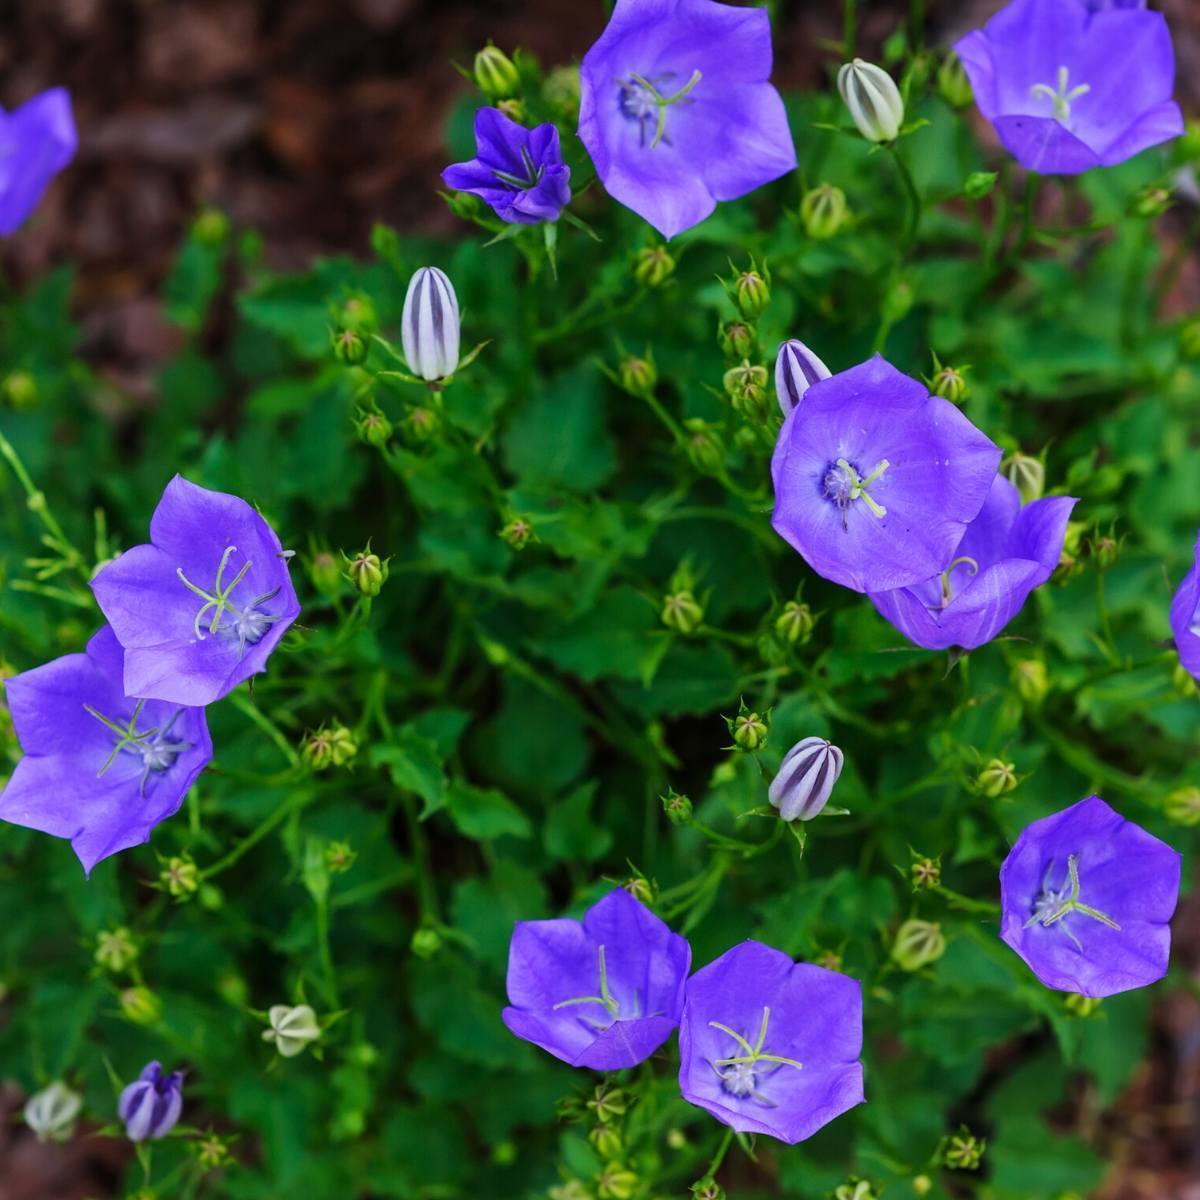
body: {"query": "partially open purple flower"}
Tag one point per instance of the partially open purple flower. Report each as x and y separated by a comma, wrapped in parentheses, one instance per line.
(202, 606)
(676, 111)
(1087, 898)
(150, 1106)
(876, 480)
(1185, 616)
(768, 1045)
(1068, 87)
(804, 782)
(519, 172)
(99, 768)
(797, 368)
(602, 993)
(1006, 552)
(36, 141)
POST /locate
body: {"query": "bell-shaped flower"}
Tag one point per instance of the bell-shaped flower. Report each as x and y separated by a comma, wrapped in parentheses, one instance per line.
(1070, 85)
(202, 606)
(430, 325)
(150, 1106)
(676, 111)
(518, 172)
(1185, 616)
(873, 99)
(604, 992)
(804, 782)
(876, 480)
(1087, 899)
(1006, 552)
(797, 368)
(36, 141)
(52, 1112)
(768, 1045)
(100, 768)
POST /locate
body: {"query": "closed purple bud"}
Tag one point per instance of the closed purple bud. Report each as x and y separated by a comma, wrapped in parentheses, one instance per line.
(430, 328)
(150, 1106)
(805, 779)
(797, 368)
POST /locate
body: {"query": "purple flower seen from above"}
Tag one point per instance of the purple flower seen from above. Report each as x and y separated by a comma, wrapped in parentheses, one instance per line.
(876, 480)
(202, 606)
(150, 1106)
(676, 111)
(36, 141)
(604, 992)
(100, 768)
(1185, 616)
(1006, 552)
(1070, 86)
(1087, 898)
(519, 172)
(768, 1045)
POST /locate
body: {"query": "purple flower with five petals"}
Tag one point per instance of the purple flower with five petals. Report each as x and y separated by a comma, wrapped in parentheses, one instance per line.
(1087, 899)
(876, 480)
(202, 606)
(519, 172)
(676, 111)
(36, 141)
(100, 769)
(151, 1105)
(1185, 616)
(768, 1045)
(1006, 552)
(1070, 85)
(604, 992)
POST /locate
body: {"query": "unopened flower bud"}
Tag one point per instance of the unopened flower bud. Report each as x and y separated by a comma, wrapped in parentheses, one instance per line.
(514, 109)
(1182, 806)
(653, 266)
(1189, 339)
(897, 301)
(678, 808)
(797, 368)
(641, 889)
(463, 204)
(749, 730)
(180, 876)
(996, 778)
(824, 211)
(212, 1151)
(140, 1005)
(608, 1102)
(421, 424)
(20, 390)
(517, 533)
(705, 450)
(616, 1182)
(950, 383)
(1069, 561)
(357, 313)
(738, 340)
(1031, 680)
(606, 1140)
(291, 1028)
(1080, 1006)
(795, 623)
(426, 942)
(495, 73)
(1026, 474)
(115, 949)
(638, 375)
(979, 184)
(682, 612)
(339, 857)
(367, 572)
(325, 573)
(1105, 550)
(751, 292)
(1183, 681)
(1150, 201)
(332, 746)
(831, 960)
(922, 1185)
(805, 779)
(856, 1189)
(374, 428)
(961, 1151)
(561, 92)
(952, 82)
(572, 1189)
(746, 386)
(917, 944)
(925, 873)
(708, 1189)
(873, 99)
(430, 325)
(51, 1113)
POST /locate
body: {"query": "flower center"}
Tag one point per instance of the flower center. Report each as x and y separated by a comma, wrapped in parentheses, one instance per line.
(972, 568)
(156, 748)
(739, 1074)
(248, 624)
(1053, 904)
(521, 183)
(843, 485)
(1059, 96)
(605, 998)
(641, 101)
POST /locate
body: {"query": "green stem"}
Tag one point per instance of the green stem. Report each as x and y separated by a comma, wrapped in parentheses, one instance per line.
(913, 215)
(419, 851)
(916, 25)
(717, 1159)
(849, 24)
(248, 708)
(294, 802)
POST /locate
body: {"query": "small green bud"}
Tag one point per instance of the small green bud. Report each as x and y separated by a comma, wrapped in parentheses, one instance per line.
(1080, 1006)
(1031, 680)
(606, 1140)
(738, 340)
(749, 730)
(751, 292)
(373, 428)
(20, 390)
(332, 746)
(1150, 201)
(357, 313)
(504, 1154)
(115, 949)
(570, 1109)
(1105, 551)
(653, 266)
(616, 1182)
(349, 346)
(514, 109)
(421, 424)
(233, 990)
(211, 227)
(1027, 474)
(212, 1152)
(961, 1151)
(678, 808)
(952, 82)
(641, 889)
(705, 450)
(856, 1189)
(1182, 806)
(708, 1189)
(897, 302)
(979, 184)
(339, 857)
(1069, 561)
(495, 73)
(426, 942)
(140, 1005)
(795, 623)
(179, 877)
(1184, 681)
(925, 873)
(464, 205)
(1189, 339)
(572, 1189)
(996, 778)
(922, 1185)
(367, 572)
(326, 575)
(291, 1028)
(824, 211)
(831, 960)
(917, 944)
(517, 533)
(608, 1102)
(638, 375)
(682, 612)
(950, 383)
(561, 92)
(746, 386)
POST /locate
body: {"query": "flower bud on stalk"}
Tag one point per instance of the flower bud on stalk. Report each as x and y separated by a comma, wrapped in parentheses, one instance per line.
(996, 778)
(426, 942)
(292, 1028)
(1150, 201)
(430, 325)
(797, 368)
(1027, 475)
(979, 184)
(1031, 680)
(616, 1182)
(917, 944)
(1182, 806)
(1080, 1006)
(334, 746)
(856, 1189)
(950, 383)
(677, 808)
(705, 450)
(325, 573)
(805, 779)
(1189, 338)
(708, 1189)
(561, 92)
(115, 949)
(749, 730)
(638, 375)
(51, 1113)
(873, 99)
(682, 612)
(751, 291)
(495, 73)
(339, 857)
(653, 266)
(140, 1005)
(150, 1106)
(517, 533)
(823, 211)
(961, 1151)
(925, 873)
(953, 83)
(180, 877)
(738, 340)
(644, 890)
(422, 424)
(795, 623)
(606, 1140)
(367, 572)
(374, 428)
(20, 390)
(746, 386)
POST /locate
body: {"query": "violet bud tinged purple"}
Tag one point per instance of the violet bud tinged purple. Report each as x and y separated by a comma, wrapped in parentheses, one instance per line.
(797, 368)
(805, 779)
(430, 325)
(873, 99)
(151, 1105)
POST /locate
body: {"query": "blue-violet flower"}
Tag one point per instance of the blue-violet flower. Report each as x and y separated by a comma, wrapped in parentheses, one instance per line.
(1185, 616)
(36, 141)
(150, 1106)
(804, 782)
(430, 326)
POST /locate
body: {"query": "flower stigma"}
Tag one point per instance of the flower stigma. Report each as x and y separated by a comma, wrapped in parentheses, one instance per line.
(532, 177)
(248, 624)
(739, 1073)
(972, 566)
(158, 751)
(1053, 904)
(641, 101)
(1061, 98)
(843, 485)
(606, 998)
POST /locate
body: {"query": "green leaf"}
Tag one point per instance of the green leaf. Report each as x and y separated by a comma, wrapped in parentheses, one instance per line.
(484, 814)
(415, 765)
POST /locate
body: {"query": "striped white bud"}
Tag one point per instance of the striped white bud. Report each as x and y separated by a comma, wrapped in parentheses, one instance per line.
(430, 325)
(873, 99)
(291, 1028)
(51, 1113)
(805, 779)
(797, 368)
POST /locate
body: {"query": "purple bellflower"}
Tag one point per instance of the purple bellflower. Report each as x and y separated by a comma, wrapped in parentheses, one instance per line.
(100, 769)
(1070, 85)
(604, 992)
(519, 172)
(771, 1046)
(804, 782)
(676, 111)
(1185, 616)
(150, 1106)
(876, 480)
(1087, 898)
(36, 141)
(202, 606)
(1006, 552)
